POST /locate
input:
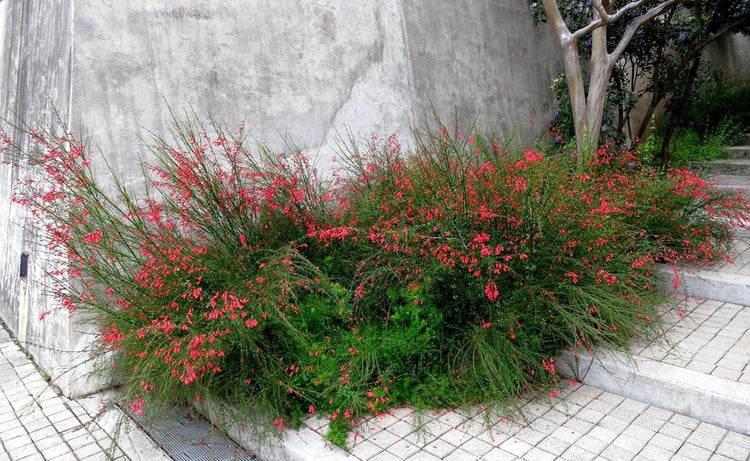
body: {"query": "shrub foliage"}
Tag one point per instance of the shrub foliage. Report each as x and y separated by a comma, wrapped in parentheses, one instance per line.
(448, 275)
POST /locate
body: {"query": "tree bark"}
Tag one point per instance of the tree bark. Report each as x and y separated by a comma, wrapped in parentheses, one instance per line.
(588, 111)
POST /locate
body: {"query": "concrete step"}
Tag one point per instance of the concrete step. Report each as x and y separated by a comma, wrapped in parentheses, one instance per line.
(708, 284)
(729, 166)
(733, 182)
(698, 395)
(700, 368)
(739, 152)
(747, 138)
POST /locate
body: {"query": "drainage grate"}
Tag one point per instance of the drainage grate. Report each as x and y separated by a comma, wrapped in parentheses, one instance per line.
(187, 439)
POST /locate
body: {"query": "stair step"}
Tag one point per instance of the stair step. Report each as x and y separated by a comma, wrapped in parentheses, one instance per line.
(730, 166)
(699, 395)
(708, 284)
(697, 369)
(747, 138)
(739, 152)
(734, 182)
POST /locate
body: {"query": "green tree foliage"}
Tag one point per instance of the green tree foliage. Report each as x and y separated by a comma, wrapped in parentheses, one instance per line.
(661, 46)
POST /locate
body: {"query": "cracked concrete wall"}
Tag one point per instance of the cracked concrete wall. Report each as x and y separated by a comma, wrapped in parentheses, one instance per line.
(306, 68)
(302, 68)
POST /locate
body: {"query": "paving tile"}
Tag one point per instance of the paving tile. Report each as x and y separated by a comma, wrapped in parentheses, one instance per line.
(615, 453)
(604, 434)
(655, 453)
(476, 447)
(591, 444)
(53, 451)
(575, 453)
(364, 449)
(638, 432)
(516, 446)
(733, 451)
(694, 452)
(18, 442)
(707, 436)
(535, 454)
(460, 455)
(384, 439)
(667, 442)
(23, 451)
(384, 456)
(684, 421)
(590, 415)
(629, 443)
(498, 454)
(676, 431)
(439, 448)
(401, 428)
(615, 423)
(65, 457)
(738, 439)
(455, 437)
(50, 442)
(423, 456)
(717, 457)
(554, 445)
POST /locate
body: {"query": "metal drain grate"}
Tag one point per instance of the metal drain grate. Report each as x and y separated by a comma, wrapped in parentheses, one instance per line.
(187, 439)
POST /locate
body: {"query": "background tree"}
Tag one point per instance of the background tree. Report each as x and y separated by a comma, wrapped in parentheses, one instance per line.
(656, 52)
(588, 107)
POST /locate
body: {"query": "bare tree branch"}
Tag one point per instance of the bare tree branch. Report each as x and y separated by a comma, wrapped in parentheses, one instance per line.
(556, 20)
(637, 23)
(604, 17)
(610, 18)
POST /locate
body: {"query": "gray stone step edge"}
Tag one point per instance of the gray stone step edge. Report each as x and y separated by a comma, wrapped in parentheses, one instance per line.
(739, 151)
(691, 393)
(708, 284)
(732, 167)
(303, 444)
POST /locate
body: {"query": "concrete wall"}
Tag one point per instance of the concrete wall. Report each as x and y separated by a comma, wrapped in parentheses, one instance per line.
(305, 68)
(35, 61)
(732, 55)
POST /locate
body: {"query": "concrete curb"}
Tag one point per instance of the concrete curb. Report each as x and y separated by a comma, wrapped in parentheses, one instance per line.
(691, 393)
(293, 445)
(707, 284)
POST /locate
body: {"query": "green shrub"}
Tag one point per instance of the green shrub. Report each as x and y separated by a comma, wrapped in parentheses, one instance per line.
(447, 276)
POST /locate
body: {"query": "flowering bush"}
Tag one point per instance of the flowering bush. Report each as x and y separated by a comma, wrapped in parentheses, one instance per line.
(447, 276)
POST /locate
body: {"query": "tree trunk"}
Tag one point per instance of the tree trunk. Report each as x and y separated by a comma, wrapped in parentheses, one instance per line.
(577, 92)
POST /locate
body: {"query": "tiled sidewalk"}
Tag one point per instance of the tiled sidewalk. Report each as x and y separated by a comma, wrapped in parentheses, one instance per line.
(581, 423)
(711, 337)
(38, 424)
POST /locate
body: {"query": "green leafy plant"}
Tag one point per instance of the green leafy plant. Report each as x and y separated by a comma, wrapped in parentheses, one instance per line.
(444, 277)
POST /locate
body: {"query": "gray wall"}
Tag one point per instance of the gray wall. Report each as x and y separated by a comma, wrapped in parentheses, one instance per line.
(732, 55)
(35, 61)
(305, 68)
